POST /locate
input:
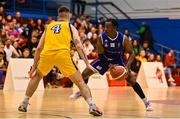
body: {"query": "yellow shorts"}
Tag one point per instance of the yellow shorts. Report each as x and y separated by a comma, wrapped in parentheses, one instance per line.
(61, 59)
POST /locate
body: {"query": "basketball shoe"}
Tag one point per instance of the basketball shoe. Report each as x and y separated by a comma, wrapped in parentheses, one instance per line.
(95, 111)
(23, 106)
(75, 95)
(148, 106)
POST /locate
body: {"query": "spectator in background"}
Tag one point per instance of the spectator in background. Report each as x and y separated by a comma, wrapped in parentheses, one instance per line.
(101, 20)
(146, 34)
(26, 53)
(3, 24)
(142, 57)
(158, 58)
(82, 36)
(170, 59)
(39, 28)
(30, 26)
(33, 43)
(4, 53)
(82, 29)
(14, 21)
(126, 32)
(12, 32)
(2, 12)
(19, 18)
(17, 26)
(100, 28)
(91, 32)
(9, 18)
(146, 48)
(87, 22)
(136, 47)
(3, 64)
(18, 49)
(49, 19)
(10, 50)
(78, 21)
(89, 49)
(22, 42)
(25, 29)
(2, 35)
(151, 58)
(3, 68)
(170, 64)
(93, 41)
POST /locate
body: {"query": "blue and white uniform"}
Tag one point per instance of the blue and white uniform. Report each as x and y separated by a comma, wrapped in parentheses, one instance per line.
(113, 51)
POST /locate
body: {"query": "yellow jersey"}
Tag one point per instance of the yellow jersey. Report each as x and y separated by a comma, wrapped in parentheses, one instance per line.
(57, 37)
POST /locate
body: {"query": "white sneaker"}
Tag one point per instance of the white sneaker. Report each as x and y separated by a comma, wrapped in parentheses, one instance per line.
(148, 106)
(75, 95)
(95, 111)
(23, 107)
(171, 79)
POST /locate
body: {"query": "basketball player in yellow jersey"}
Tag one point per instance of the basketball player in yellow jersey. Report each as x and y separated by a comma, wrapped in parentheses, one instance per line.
(54, 50)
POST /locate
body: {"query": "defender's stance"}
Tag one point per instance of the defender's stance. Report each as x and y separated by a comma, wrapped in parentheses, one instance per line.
(54, 50)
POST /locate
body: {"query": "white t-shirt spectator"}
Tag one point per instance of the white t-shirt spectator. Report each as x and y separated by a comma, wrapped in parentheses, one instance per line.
(10, 52)
(88, 47)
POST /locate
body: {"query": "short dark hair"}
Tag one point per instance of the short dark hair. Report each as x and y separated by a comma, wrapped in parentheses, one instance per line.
(113, 21)
(63, 9)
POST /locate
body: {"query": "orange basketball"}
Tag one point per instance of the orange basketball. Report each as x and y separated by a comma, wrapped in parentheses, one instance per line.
(118, 72)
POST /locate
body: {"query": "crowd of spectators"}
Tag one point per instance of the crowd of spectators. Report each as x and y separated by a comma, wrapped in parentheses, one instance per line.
(19, 38)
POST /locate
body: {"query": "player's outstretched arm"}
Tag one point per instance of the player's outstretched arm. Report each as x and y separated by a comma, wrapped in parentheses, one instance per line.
(79, 47)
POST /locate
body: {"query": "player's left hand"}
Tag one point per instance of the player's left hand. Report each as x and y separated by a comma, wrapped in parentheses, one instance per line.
(128, 70)
(32, 71)
(92, 68)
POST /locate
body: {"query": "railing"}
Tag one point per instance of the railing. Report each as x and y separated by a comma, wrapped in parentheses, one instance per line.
(98, 4)
(163, 50)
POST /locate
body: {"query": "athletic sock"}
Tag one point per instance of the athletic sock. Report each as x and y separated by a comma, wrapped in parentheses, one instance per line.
(90, 102)
(26, 98)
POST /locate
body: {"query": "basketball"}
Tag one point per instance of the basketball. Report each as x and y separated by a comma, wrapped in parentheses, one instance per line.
(118, 72)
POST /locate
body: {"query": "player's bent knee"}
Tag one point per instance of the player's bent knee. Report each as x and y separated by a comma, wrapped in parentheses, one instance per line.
(130, 80)
(38, 75)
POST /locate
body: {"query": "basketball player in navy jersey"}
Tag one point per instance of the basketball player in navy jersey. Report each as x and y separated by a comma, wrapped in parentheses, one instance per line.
(111, 46)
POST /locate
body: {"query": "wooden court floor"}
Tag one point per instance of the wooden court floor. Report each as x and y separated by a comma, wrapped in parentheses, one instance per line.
(115, 102)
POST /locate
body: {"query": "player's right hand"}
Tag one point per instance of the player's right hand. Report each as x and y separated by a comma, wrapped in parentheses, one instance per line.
(32, 71)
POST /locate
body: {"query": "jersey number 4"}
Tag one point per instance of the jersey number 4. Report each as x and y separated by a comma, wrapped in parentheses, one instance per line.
(56, 28)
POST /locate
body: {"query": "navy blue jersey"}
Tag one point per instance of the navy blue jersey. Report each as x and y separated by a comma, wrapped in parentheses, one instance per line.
(113, 51)
(113, 48)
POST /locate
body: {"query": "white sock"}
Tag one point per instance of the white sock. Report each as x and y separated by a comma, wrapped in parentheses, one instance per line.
(90, 102)
(26, 98)
(145, 100)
